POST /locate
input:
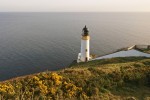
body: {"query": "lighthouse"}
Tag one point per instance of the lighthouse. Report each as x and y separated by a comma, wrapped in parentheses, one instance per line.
(84, 54)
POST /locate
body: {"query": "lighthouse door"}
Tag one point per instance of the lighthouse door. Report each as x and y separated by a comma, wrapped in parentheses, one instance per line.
(86, 59)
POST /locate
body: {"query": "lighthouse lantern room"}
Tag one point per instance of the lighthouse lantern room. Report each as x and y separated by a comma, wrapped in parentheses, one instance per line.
(84, 54)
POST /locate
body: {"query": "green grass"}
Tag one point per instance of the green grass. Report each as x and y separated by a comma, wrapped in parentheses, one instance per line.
(144, 50)
(116, 60)
(117, 78)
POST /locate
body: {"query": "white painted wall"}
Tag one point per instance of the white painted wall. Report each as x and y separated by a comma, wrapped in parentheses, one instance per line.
(141, 46)
(85, 44)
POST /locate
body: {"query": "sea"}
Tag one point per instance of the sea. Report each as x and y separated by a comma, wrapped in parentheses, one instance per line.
(33, 42)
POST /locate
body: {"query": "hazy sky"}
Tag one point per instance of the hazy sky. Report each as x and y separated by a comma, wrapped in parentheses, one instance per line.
(75, 5)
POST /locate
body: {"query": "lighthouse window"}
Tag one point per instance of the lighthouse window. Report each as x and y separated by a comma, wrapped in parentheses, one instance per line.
(86, 50)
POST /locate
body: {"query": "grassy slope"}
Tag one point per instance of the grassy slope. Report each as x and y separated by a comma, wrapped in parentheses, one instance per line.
(144, 50)
(116, 78)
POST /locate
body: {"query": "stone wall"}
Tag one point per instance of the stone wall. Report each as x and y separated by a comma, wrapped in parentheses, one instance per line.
(142, 46)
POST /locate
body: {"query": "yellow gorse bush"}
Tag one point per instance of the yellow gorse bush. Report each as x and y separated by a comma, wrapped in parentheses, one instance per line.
(56, 78)
(71, 89)
(43, 89)
(42, 82)
(53, 91)
(36, 78)
(7, 88)
(72, 84)
(85, 97)
(18, 85)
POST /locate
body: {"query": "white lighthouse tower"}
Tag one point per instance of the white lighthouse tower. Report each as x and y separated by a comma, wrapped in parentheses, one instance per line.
(84, 54)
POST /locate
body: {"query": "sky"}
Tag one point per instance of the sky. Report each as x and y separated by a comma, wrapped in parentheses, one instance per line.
(74, 5)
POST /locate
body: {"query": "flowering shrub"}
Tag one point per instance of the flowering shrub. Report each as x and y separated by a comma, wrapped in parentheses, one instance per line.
(56, 78)
(7, 88)
(78, 83)
(71, 89)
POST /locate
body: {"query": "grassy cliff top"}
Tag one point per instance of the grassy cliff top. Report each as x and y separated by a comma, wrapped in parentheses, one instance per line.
(117, 78)
(144, 50)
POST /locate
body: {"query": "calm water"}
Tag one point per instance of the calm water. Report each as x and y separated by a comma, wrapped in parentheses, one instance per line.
(35, 42)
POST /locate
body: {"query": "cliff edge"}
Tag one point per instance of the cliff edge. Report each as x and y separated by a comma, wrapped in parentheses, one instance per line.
(124, 78)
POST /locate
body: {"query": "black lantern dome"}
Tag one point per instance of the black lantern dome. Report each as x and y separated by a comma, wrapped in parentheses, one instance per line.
(85, 31)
